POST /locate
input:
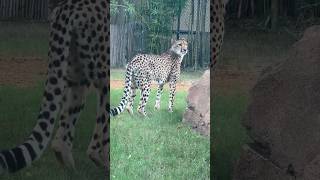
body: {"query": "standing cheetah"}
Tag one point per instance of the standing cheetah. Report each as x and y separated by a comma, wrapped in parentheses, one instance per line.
(78, 57)
(145, 68)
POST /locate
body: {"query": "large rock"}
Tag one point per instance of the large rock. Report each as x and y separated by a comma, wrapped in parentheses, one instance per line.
(283, 118)
(253, 166)
(198, 105)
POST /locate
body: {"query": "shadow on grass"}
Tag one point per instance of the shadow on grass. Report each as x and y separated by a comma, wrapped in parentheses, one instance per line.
(228, 133)
(19, 109)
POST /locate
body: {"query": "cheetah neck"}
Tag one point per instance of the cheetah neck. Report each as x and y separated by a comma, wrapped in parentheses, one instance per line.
(174, 56)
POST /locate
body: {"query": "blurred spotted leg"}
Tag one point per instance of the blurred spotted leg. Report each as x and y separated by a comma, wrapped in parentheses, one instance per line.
(158, 98)
(131, 99)
(172, 86)
(98, 150)
(144, 97)
(73, 103)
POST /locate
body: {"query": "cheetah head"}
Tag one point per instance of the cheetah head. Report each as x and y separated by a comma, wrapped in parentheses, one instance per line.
(179, 47)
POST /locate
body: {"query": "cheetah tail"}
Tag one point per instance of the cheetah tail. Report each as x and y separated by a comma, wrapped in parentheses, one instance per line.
(22, 155)
(126, 92)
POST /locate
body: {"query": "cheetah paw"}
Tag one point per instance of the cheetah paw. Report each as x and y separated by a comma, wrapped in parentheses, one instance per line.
(157, 106)
(96, 158)
(63, 153)
(130, 111)
(142, 112)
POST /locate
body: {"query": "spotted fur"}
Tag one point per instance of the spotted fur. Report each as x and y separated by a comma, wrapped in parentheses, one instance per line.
(78, 57)
(217, 8)
(145, 68)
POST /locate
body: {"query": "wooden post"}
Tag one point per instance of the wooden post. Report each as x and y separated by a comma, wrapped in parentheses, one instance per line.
(178, 23)
(274, 14)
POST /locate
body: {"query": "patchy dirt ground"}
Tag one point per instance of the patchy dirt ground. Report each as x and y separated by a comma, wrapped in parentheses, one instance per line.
(229, 80)
(181, 86)
(22, 72)
(26, 72)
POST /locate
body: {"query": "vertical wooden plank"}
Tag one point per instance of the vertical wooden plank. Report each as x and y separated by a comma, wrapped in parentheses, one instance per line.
(46, 9)
(4, 9)
(29, 8)
(8, 9)
(14, 12)
(1, 8)
(36, 10)
(41, 9)
(11, 5)
(32, 9)
(17, 8)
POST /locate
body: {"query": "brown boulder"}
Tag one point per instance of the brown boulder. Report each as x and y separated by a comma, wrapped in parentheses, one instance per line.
(283, 118)
(198, 105)
(253, 166)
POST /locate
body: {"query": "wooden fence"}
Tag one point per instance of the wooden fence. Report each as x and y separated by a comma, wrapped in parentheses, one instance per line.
(128, 39)
(24, 10)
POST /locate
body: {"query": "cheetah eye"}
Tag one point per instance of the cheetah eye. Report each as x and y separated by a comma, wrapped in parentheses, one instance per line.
(179, 44)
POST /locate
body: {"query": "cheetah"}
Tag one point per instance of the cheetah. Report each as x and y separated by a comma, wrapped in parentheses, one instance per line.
(78, 58)
(217, 29)
(145, 68)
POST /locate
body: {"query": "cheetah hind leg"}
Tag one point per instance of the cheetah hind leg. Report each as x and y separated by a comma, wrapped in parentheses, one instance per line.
(62, 142)
(144, 98)
(98, 150)
(129, 106)
(63, 153)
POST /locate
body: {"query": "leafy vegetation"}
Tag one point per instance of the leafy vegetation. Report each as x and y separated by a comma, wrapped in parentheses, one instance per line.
(156, 15)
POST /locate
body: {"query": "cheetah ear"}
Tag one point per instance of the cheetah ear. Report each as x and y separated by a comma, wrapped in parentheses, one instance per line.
(173, 40)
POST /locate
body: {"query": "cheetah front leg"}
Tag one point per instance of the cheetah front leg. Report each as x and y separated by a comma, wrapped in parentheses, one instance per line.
(172, 87)
(98, 150)
(73, 103)
(158, 98)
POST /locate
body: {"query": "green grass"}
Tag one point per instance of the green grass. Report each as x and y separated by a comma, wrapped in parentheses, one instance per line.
(18, 114)
(228, 133)
(159, 146)
(21, 39)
